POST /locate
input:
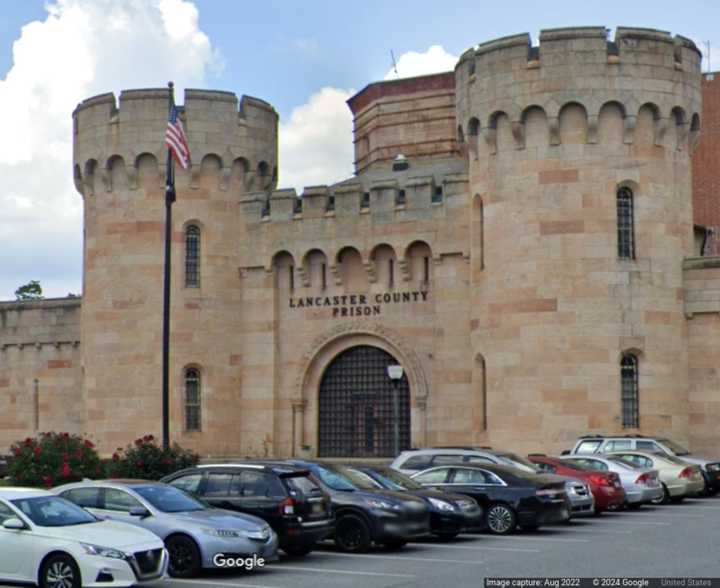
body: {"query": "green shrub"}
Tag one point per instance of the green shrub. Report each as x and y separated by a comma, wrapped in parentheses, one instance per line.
(51, 459)
(145, 459)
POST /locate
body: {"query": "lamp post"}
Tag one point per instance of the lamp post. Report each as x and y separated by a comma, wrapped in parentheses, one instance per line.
(395, 373)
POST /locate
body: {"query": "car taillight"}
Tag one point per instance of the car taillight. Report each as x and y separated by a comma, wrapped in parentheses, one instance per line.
(643, 479)
(287, 507)
(600, 480)
(686, 473)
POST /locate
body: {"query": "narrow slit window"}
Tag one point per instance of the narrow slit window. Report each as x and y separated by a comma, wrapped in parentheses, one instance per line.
(391, 272)
(625, 224)
(192, 400)
(323, 274)
(192, 257)
(629, 391)
(291, 278)
(426, 270)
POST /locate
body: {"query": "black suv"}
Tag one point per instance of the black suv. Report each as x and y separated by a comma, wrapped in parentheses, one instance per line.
(365, 517)
(286, 497)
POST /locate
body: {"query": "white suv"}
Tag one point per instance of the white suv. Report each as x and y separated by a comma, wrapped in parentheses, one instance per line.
(415, 460)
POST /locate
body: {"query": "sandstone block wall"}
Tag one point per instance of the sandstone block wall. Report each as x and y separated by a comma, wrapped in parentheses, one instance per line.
(40, 368)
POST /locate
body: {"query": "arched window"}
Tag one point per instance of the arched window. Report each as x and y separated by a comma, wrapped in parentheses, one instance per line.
(629, 391)
(625, 224)
(192, 400)
(192, 257)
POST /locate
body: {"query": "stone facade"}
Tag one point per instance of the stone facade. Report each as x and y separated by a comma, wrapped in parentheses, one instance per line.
(476, 245)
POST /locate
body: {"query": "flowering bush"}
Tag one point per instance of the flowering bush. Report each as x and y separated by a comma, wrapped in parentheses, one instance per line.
(51, 459)
(145, 459)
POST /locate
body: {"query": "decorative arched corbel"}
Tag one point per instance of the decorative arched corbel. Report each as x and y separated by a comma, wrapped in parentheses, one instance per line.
(106, 179)
(225, 176)
(336, 274)
(370, 269)
(629, 124)
(518, 133)
(554, 129)
(490, 136)
(592, 129)
(661, 126)
(682, 135)
(195, 170)
(404, 268)
(304, 276)
(132, 177)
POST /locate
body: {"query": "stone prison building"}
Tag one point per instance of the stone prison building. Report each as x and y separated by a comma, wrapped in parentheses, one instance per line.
(530, 236)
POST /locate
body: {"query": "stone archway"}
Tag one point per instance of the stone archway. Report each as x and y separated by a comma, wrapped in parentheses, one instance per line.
(358, 406)
(321, 354)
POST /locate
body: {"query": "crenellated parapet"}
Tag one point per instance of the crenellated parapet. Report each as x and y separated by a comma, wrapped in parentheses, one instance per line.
(642, 73)
(120, 143)
(359, 215)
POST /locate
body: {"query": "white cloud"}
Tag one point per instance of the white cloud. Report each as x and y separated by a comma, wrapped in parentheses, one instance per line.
(82, 48)
(316, 143)
(412, 63)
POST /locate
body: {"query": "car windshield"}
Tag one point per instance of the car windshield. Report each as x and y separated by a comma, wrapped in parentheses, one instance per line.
(361, 479)
(624, 462)
(169, 498)
(333, 479)
(395, 480)
(53, 511)
(514, 459)
(674, 447)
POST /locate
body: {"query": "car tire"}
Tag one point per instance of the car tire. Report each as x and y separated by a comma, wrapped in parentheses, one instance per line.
(665, 497)
(185, 560)
(446, 536)
(501, 519)
(59, 571)
(297, 550)
(352, 534)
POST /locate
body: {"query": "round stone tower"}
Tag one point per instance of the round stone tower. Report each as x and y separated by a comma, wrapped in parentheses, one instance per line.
(119, 157)
(580, 177)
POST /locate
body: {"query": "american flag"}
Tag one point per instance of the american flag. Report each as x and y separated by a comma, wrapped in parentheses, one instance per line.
(176, 140)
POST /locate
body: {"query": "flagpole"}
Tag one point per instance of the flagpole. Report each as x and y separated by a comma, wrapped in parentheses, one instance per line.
(169, 199)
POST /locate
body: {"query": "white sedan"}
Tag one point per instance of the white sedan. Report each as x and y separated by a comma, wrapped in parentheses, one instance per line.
(50, 541)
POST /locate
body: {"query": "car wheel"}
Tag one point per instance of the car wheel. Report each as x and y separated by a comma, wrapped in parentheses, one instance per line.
(60, 571)
(664, 499)
(297, 550)
(184, 556)
(352, 534)
(501, 519)
(446, 536)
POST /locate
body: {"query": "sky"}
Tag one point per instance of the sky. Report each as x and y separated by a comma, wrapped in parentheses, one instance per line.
(306, 58)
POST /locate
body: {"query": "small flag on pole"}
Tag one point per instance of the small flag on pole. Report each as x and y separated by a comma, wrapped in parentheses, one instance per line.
(176, 140)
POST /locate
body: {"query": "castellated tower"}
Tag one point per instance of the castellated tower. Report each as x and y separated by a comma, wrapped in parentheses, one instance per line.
(119, 157)
(565, 141)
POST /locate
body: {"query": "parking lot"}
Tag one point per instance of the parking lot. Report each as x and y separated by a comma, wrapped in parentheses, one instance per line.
(680, 540)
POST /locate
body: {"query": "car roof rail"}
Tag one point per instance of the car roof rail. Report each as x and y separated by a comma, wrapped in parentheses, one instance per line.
(636, 436)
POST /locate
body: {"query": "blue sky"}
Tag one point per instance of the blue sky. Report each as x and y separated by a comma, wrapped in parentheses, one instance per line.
(305, 58)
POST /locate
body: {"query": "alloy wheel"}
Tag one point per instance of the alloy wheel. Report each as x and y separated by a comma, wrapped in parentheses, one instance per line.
(500, 519)
(60, 574)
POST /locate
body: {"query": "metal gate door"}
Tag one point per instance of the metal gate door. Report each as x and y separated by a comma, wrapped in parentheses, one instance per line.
(356, 406)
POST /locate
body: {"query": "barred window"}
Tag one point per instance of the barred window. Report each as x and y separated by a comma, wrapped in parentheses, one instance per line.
(192, 257)
(192, 400)
(629, 391)
(625, 224)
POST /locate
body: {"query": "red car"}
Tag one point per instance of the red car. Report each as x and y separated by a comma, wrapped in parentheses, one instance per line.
(605, 486)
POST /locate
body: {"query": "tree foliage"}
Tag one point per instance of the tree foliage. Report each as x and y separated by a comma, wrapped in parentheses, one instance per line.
(30, 291)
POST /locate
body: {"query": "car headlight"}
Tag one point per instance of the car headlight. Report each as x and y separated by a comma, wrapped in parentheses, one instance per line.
(441, 505)
(262, 534)
(91, 549)
(383, 504)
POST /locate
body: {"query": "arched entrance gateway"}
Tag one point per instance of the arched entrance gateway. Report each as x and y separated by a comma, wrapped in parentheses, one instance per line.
(355, 405)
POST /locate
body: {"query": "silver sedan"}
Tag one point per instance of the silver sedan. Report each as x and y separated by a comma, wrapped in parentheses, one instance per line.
(641, 485)
(196, 535)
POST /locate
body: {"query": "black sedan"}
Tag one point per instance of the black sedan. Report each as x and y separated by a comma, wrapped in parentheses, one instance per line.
(450, 514)
(364, 517)
(509, 496)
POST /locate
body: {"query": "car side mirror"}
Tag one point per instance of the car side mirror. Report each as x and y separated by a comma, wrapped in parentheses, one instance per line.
(139, 511)
(13, 524)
